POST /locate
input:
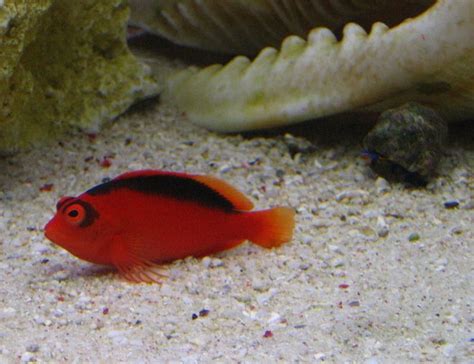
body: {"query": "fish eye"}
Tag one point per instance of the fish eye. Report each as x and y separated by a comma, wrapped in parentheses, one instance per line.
(75, 214)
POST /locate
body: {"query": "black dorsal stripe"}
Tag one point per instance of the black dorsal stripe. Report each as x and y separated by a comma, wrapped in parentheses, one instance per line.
(173, 186)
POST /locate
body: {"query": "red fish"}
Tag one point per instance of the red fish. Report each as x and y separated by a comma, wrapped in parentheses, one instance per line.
(142, 218)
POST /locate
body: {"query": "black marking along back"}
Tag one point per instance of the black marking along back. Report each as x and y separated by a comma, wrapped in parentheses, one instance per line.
(180, 188)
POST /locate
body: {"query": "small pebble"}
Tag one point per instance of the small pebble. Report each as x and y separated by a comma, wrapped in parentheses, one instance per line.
(260, 285)
(320, 356)
(265, 297)
(83, 302)
(274, 317)
(382, 227)
(97, 325)
(297, 145)
(438, 341)
(7, 313)
(32, 348)
(382, 185)
(372, 213)
(209, 262)
(453, 320)
(451, 204)
(199, 342)
(91, 136)
(337, 263)
(413, 237)
(204, 312)
(39, 320)
(117, 337)
(334, 248)
(105, 162)
(48, 187)
(225, 168)
(27, 357)
(307, 239)
(268, 334)
(350, 195)
(57, 312)
(457, 230)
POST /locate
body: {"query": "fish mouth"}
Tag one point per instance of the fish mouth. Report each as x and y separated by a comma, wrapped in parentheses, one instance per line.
(47, 231)
(52, 235)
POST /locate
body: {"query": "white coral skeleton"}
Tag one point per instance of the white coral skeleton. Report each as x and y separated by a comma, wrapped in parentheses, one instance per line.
(426, 56)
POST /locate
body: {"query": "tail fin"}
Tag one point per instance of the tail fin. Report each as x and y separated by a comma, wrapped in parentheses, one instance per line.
(275, 226)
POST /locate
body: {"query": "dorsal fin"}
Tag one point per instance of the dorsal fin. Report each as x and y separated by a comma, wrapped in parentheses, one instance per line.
(205, 190)
(237, 198)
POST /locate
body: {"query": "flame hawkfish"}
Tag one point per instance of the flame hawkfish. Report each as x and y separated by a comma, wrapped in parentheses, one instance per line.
(143, 218)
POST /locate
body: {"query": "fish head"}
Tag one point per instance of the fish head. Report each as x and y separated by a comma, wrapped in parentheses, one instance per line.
(76, 228)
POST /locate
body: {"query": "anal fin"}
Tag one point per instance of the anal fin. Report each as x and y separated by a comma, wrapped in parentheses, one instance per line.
(143, 273)
(133, 266)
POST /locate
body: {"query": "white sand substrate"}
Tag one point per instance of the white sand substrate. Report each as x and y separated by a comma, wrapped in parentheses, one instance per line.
(350, 287)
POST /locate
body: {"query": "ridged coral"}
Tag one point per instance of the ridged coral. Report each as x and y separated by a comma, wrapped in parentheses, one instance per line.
(401, 51)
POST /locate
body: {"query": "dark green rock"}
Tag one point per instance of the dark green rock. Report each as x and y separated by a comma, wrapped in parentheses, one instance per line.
(406, 143)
